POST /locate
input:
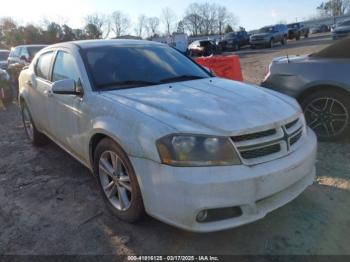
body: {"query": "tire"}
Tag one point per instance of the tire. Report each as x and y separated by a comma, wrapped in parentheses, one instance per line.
(272, 43)
(306, 36)
(123, 197)
(284, 41)
(237, 47)
(35, 137)
(297, 37)
(327, 112)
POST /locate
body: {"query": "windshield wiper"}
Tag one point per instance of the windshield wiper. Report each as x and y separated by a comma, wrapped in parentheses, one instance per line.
(127, 84)
(180, 78)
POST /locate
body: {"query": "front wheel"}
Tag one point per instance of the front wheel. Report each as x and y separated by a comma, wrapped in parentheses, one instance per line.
(118, 181)
(327, 113)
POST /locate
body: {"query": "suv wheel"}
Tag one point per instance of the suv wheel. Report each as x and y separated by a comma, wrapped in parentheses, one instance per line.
(35, 137)
(284, 40)
(328, 114)
(237, 47)
(117, 181)
(272, 43)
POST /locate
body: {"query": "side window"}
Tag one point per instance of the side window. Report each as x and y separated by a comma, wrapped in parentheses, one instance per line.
(65, 68)
(24, 52)
(16, 52)
(42, 67)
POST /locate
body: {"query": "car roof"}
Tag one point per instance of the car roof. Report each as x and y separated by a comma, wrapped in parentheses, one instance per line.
(29, 46)
(86, 44)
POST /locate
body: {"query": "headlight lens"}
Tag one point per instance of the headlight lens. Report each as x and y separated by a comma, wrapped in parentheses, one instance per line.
(194, 150)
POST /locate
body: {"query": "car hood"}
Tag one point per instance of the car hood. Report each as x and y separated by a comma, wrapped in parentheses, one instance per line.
(210, 106)
(290, 59)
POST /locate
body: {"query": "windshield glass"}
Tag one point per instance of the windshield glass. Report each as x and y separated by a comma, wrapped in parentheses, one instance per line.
(346, 23)
(4, 55)
(268, 29)
(231, 35)
(296, 26)
(116, 67)
(34, 49)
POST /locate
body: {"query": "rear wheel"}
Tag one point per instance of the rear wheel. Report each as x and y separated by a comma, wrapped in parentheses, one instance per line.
(118, 182)
(327, 113)
(34, 136)
(284, 40)
(272, 43)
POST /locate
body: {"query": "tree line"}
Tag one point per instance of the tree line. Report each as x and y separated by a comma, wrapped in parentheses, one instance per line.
(198, 19)
(334, 8)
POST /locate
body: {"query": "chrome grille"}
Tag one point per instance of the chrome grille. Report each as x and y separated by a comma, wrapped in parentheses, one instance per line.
(270, 144)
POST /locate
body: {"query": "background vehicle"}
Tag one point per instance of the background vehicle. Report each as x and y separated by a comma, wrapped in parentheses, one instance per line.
(23, 54)
(320, 29)
(321, 83)
(202, 48)
(341, 30)
(297, 30)
(233, 41)
(146, 117)
(5, 87)
(270, 35)
(19, 57)
(4, 54)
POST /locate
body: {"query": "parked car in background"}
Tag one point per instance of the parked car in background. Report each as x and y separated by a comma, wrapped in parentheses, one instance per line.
(202, 48)
(321, 83)
(298, 30)
(19, 57)
(23, 54)
(341, 30)
(163, 136)
(233, 41)
(269, 36)
(4, 54)
(320, 29)
(5, 87)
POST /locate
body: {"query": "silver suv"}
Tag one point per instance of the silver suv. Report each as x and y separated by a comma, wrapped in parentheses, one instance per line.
(269, 36)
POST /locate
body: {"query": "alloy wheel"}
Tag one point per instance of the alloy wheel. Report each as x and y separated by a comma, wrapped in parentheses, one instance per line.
(115, 180)
(327, 116)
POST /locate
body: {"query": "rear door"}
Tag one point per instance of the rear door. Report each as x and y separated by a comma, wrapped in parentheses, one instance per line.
(40, 90)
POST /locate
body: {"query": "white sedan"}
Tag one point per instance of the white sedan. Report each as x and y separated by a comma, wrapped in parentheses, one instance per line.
(165, 137)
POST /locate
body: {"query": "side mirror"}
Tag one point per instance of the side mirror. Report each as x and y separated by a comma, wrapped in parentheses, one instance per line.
(66, 87)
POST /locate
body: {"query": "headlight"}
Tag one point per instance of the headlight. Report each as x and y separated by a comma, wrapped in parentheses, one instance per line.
(197, 150)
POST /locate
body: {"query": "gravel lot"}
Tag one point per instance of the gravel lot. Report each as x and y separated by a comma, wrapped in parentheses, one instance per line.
(50, 204)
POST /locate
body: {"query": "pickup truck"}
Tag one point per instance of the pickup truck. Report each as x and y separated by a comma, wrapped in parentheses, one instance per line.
(297, 30)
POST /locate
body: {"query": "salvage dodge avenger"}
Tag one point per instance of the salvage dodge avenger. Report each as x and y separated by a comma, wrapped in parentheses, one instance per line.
(165, 137)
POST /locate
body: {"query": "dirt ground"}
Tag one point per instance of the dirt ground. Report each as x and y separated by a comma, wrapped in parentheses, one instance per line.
(50, 204)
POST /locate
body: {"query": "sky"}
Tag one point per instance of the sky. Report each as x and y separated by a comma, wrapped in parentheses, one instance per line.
(251, 14)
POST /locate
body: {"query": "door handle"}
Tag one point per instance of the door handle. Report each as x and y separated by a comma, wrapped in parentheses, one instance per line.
(48, 93)
(29, 83)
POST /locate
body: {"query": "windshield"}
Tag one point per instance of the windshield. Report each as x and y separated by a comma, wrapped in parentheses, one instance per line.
(296, 26)
(268, 29)
(116, 67)
(346, 23)
(4, 55)
(32, 50)
(231, 35)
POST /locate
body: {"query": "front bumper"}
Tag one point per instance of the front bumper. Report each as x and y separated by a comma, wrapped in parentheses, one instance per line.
(175, 195)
